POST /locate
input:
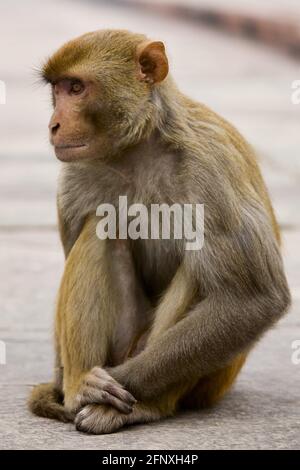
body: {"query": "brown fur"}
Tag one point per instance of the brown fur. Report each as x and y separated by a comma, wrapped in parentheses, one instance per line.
(206, 308)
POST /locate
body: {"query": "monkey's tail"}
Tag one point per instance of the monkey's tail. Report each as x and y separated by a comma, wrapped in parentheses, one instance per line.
(47, 401)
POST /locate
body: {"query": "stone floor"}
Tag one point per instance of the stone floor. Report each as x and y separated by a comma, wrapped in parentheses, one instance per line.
(248, 84)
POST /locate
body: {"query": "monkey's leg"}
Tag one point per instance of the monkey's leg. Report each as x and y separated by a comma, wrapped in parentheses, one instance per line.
(100, 312)
(173, 307)
(135, 310)
(96, 322)
(102, 419)
(212, 388)
(99, 419)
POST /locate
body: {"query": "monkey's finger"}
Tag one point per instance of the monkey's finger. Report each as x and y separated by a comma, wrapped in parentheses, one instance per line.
(116, 403)
(119, 392)
(93, 395)
(83, 415)
(101, 379)
(110, 386)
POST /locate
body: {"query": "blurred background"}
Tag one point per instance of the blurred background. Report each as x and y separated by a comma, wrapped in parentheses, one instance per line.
(239, 58)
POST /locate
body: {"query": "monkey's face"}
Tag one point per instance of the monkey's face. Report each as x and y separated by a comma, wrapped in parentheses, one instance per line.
(75, 132)
(101, 88)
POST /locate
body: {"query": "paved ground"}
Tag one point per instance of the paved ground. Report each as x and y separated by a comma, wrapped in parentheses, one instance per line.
(272, 22)
(248, 84)
(268, 8)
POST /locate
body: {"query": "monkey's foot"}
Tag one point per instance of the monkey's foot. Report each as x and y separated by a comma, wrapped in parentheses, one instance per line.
(99, 419)
(98, 387)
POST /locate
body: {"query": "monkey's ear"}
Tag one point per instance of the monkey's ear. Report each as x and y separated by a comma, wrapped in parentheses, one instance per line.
(152, 62)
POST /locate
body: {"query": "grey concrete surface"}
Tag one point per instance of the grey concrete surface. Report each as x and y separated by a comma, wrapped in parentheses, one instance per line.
(248, 84)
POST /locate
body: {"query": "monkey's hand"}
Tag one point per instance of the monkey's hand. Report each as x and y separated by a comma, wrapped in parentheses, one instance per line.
(98, 387)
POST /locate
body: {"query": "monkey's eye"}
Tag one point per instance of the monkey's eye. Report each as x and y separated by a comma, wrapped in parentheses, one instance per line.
(76, 88)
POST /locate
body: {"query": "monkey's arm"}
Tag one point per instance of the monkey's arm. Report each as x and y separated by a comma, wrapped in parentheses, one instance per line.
(245, 292)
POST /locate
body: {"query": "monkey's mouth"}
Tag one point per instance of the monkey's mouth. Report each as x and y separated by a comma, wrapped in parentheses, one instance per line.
(69, 146)
(69, 152)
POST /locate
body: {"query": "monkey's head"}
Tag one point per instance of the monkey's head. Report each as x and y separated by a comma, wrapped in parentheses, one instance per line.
(103, 86)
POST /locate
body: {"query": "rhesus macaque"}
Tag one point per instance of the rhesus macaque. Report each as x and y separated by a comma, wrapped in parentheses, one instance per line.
(144, 327)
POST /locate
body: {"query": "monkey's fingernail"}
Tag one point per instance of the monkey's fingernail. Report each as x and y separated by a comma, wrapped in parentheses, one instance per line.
(127, 409)
(131, 399)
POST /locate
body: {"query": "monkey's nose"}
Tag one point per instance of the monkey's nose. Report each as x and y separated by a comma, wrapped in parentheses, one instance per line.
(53, 127)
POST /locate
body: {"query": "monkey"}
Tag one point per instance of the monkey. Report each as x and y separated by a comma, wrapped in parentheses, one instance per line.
(143, 327)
